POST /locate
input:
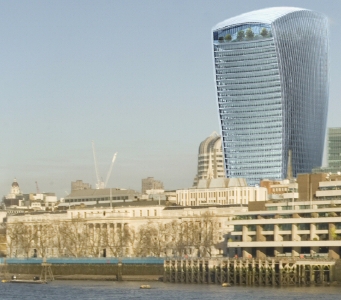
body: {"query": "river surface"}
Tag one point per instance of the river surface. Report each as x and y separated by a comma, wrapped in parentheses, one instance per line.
(130, 290)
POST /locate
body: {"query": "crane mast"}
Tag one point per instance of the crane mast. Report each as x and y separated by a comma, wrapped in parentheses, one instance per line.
(100, 184)
(110, 170)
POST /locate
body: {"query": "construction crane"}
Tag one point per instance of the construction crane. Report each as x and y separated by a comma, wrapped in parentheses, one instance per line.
(100, 183)
(37, 188)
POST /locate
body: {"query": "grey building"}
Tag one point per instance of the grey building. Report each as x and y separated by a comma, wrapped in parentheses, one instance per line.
(150, 183)
(271, 73)
(79, 185)
(90, 197)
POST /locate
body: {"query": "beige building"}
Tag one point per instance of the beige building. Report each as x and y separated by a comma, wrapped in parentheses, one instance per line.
(289, 228)
(221, 191)
(281, 190)
(210, 159)
(131, 229)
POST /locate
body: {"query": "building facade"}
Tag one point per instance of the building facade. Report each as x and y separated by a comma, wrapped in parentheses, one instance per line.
(210, 159)
(107, 196)
(79, 185)
(334, 152)
(221, 191)
(271, 74)
(150, 183)
(131, 229)
(296, 229)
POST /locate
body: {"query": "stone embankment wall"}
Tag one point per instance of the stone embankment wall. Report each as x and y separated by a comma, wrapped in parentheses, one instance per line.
(89, 269)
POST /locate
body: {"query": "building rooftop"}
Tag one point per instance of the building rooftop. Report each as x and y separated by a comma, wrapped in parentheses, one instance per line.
(221, 183)
(267, 16)
(98, 192)
(115, 204)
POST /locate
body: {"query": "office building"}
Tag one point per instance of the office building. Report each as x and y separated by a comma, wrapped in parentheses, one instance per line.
(334, 149)
(150, 183)
(271, 73)
(210, 159)
(334, 152)
(79, 185)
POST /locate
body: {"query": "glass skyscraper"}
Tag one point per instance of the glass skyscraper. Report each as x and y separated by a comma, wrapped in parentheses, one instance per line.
(271, 74)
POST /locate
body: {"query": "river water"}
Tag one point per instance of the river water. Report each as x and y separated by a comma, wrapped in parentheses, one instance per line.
(130, 290)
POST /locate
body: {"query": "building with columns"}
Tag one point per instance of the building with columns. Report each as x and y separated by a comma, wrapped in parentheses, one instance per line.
(126, 229)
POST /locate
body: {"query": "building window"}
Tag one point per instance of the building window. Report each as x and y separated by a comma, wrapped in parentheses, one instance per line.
(155, 212)
(140, 213)
(133, 213)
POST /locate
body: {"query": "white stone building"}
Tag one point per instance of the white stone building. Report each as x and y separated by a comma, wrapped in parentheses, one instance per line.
(120, 231)
(221, 191)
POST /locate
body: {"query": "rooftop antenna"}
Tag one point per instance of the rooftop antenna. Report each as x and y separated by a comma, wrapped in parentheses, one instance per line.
(98, 184)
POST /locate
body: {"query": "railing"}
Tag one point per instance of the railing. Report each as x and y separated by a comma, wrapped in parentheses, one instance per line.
(86, 260)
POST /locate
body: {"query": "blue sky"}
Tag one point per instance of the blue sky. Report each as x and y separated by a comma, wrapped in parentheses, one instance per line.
(134, 76)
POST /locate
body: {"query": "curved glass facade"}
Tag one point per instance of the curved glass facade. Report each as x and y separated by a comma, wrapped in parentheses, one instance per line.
(272, 91)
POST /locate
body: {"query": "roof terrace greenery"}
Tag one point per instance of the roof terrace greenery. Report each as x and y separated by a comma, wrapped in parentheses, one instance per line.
(240, 33)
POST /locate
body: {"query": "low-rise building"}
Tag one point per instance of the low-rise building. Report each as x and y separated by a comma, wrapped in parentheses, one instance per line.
(139, 228)
(221, 191)
(90, 197)
(281, 190)
(295, 228)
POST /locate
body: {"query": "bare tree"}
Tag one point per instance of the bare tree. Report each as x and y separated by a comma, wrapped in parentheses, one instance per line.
(94, 236)
(75, 236)
(177, 240)
(209, 233)
(43, 239)
(13, 241)
(27, 233)
(118, 239)
(151, 239)
(58, 238)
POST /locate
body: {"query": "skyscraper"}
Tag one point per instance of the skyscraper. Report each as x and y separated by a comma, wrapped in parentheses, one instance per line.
(271, 73)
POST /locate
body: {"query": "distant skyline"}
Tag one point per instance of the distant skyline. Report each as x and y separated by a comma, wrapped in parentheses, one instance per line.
(136, 77)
